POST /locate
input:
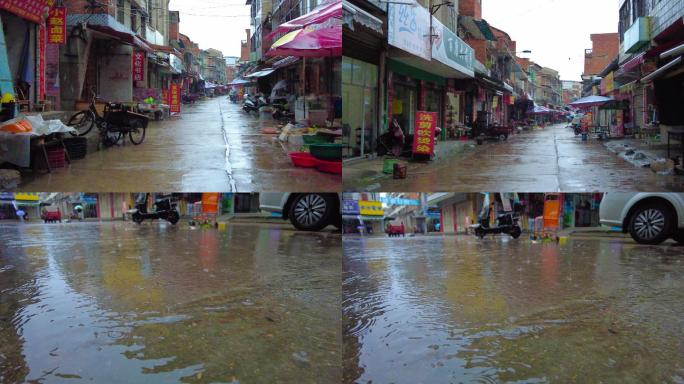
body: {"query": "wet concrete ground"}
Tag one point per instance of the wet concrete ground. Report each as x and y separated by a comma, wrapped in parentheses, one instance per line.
(213, 146)
(121, 303)
(552, 159)
(458, 309)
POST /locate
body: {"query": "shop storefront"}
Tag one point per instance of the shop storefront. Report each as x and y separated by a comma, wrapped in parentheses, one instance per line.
(359, 103)
(410, 89)
(25, 38)
(421, 73)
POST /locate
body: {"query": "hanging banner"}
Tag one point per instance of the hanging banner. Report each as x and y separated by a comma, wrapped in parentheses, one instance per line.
(174, 98)
(42, 42)
(424, 136)
(408, 29)
(31, 10)
(138, 66)
(57, 25)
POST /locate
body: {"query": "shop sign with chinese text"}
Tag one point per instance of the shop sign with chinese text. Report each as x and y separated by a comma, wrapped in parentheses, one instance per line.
(424, 135)
(56, 24)
(174, 99)
(408, 28)
(138, 66)
(31, 10)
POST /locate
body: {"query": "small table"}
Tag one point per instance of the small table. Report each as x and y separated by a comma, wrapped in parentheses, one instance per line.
(677, 134)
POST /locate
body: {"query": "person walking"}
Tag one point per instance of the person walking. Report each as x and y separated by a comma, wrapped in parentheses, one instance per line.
(21, 214)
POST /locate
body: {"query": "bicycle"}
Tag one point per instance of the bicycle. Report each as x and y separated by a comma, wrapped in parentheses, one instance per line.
(114, 124)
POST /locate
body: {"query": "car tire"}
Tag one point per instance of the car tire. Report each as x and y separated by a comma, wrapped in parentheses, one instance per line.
(651, 223)
(312, 211)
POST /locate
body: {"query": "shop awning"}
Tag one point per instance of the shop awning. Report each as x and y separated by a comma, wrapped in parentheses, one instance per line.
(590, 101)
(662, 70)
(123, 37)
(240, 82)
(285, 62)
(633, 62)
(320, 14)
(352, 14)
(262, 73)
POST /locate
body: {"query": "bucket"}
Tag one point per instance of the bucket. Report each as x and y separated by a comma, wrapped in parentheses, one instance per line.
(400, 171)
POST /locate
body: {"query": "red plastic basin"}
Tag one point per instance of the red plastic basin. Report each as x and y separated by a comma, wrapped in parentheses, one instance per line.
(329, 166)
(302, 159)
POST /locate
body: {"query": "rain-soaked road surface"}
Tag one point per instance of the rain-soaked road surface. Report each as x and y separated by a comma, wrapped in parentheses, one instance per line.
(552, 159)
(458, 309)
(213, 146)
(120, 303)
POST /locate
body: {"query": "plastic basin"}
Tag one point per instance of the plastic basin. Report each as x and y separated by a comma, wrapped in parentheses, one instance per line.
(315, 139)
(302, 159)
(329, 166)
(326, 151)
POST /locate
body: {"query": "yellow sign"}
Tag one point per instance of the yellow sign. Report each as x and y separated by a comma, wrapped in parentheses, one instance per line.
(27, 196)
(371, 208)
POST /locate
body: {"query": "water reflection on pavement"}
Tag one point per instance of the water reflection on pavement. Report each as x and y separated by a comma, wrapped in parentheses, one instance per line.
(117, 302)
(458, 309)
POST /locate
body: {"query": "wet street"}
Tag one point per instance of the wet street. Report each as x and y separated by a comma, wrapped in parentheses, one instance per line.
(213, 146)
(121, 303)
(458, 309)
(552, 159)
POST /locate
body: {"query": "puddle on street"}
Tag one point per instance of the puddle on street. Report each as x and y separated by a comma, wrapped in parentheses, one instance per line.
(458, 309)
(116, 302)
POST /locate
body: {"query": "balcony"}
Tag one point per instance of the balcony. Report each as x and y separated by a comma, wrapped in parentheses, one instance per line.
(638, 35)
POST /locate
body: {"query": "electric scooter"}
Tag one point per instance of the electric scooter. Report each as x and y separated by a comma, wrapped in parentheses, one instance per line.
(165, 209)
(507, 222)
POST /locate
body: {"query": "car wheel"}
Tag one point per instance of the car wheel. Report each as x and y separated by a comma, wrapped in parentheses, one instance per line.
(650, 224)
(311, 211)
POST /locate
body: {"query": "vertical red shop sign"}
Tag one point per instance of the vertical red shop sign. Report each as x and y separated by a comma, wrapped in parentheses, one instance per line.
(57, 25)
(174, 98)
(138, 66)
(42, 42)
(424, 135)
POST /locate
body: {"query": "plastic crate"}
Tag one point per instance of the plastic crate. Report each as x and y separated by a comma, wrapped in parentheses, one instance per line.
(77, 147)
(56, 157)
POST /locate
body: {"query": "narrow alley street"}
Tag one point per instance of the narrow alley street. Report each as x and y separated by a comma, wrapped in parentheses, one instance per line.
(213, 146)
(552, 159)
(459, 309)
(118, 302)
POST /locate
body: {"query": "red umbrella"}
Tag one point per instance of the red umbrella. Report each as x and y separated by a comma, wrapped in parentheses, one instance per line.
(316, 40)
(320, 14)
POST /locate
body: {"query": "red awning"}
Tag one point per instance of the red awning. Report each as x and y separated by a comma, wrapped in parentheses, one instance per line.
(633, 62)
(123, 37)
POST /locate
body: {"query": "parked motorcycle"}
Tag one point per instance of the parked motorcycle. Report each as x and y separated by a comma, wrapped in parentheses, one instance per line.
(253, 103)
(506, 222)
(165, 209)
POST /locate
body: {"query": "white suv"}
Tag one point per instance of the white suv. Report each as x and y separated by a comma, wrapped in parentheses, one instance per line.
(306, 211)
(650, 218)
